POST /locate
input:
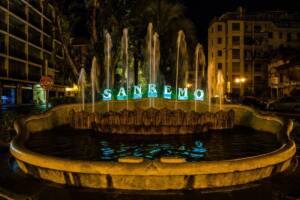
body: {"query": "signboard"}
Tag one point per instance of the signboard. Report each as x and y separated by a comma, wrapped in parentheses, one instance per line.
(46, 82)
(152, 91)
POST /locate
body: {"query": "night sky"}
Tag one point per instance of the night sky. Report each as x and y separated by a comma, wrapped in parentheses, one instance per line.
(201, 12)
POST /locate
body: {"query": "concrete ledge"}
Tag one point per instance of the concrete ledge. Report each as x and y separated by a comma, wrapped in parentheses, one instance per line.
(163, 174)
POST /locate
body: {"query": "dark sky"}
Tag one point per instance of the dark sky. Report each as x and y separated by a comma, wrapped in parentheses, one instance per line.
(202, 11)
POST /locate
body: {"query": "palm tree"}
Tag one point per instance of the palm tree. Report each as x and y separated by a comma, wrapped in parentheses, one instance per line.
(167, 18)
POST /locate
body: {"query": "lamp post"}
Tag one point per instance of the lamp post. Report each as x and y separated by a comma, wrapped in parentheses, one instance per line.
(241, 81)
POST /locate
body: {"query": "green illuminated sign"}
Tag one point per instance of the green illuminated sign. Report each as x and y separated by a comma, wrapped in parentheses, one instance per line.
(152, 91)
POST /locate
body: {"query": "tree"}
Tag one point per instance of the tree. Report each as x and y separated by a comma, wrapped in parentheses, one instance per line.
(65, 22)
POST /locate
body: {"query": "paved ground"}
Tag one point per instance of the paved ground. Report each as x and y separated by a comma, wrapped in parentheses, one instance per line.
(16, 185)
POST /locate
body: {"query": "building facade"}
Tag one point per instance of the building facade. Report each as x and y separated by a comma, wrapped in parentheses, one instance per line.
(29, 49)
(240, 43)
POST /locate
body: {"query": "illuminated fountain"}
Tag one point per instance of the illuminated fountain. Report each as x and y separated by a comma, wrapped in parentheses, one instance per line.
(220, 87)
(107, 53)
(94, 81)
(199, 61)
(162, 164)
(82, 84)
(125, 67)
(152, 59)
(181, 64)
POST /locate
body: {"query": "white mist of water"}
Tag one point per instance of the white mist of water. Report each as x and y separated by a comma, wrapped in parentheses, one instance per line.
(209, 85)
(220, 87)
(125, 69)
(149, 54)
(199, 61)
(94, 81)
(82, 84)
(107, 52)
(155, 61)
(182, 57)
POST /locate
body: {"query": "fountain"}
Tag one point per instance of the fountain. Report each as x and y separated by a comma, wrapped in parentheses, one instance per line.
(94, 81)
(125, 69)
(210, 74)
(177, 155)
(182, 56)
(199, 60)
(82, 84)
(220, 87)
(107, 53)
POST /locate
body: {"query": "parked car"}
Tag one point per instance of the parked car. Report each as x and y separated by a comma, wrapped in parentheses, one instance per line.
(254, 102)
(290, 104)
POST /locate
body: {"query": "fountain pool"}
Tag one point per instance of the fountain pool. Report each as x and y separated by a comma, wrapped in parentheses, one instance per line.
(66, 142)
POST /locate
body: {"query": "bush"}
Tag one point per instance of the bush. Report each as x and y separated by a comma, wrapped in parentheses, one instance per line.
(7, 120)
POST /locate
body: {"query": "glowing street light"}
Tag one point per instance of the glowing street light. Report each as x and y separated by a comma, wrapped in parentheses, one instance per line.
(240, 80)
(188, 85)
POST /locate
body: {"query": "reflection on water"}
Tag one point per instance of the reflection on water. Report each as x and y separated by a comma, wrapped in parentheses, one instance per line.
(213, 145)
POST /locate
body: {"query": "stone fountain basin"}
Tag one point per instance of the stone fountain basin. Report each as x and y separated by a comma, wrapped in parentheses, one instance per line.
(163, 174)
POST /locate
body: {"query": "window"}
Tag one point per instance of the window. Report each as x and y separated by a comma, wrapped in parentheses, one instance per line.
(235, 53)
(236, 67)
(34, 37)
(236, 40)
(3, 3)
(17, 69)
(270, 35)
(3, 72)
(236, 26)
(246, 67)
(2, 43)
(257, 28)
(248, 41)
(280, 35)
(17, 48)
(220, 28)
(289, 37)
(34, 18)
(34, 55)
(3, 24)
(17, 7)
(219, 52)
(17, 27)
(220, 66)
(34, 73)
(257, 67)
(219, 40)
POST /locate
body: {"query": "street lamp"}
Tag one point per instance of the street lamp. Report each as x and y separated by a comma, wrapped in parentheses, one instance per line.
(240, 81)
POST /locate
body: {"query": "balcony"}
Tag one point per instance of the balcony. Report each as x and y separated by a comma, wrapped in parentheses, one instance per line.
(35, 39)
(35, 22)
(17, 53)
(18, 32)
(35, 59)
(36, 4)
(19, 11)
(34, 73)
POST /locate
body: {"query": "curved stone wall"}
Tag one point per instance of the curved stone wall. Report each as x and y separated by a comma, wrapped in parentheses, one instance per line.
(166, 173)
(152, 121)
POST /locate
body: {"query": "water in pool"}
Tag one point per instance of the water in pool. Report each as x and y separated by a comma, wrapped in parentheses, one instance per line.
(213, 145)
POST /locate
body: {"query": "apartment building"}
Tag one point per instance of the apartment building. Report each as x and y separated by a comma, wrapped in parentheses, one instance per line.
(29, 49)
(240, 43)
